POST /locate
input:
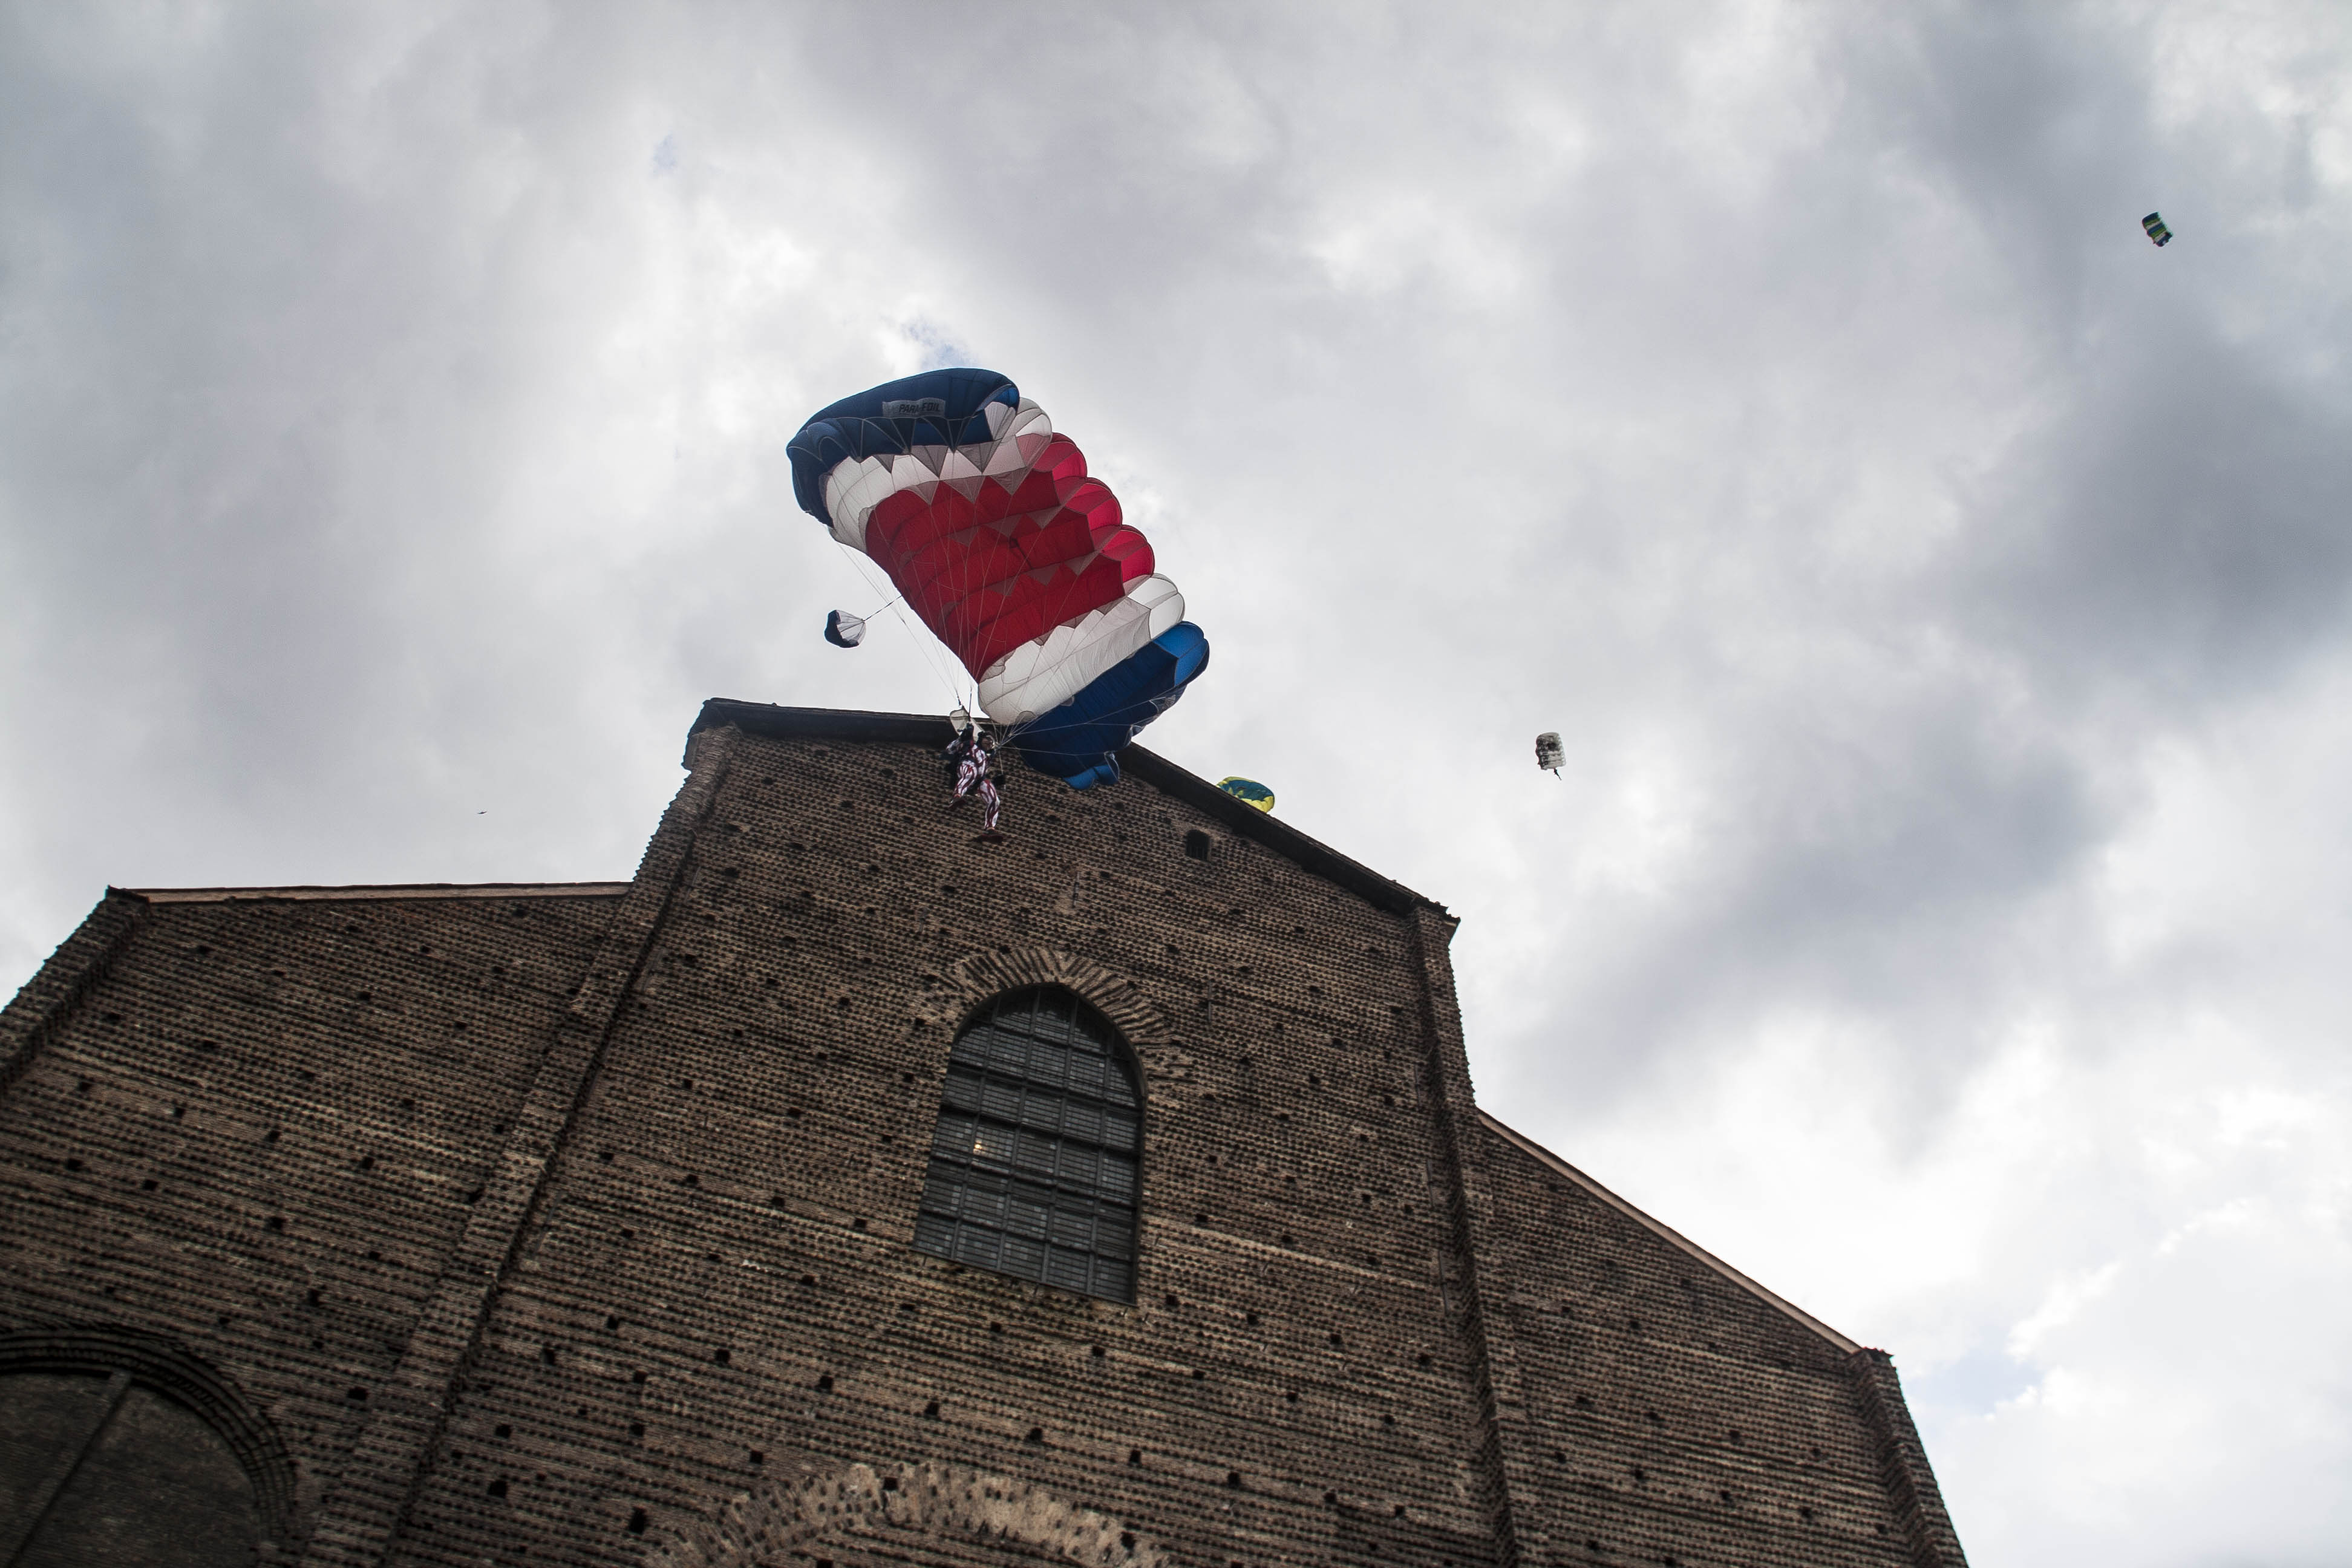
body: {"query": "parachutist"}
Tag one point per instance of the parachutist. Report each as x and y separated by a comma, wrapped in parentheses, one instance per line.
(974, 757)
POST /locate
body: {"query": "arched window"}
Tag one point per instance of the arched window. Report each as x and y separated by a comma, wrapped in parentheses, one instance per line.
(118, 1449)
(1034, 1167)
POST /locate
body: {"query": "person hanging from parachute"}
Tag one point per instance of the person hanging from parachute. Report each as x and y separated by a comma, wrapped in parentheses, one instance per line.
(986, 520)
(973, 757)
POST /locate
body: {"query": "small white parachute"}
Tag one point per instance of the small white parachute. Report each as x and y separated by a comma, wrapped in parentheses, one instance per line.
(844, 630)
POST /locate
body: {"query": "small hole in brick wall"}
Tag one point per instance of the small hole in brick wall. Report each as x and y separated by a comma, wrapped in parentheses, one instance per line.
(498, 1488)
(692, 1180)
(808, 1282)
(824, 1382)
(1233, 1480)
(178, 1111)
(312, 1297)
(1726, 1496)
(547, 1355)
(202, 948)
(686, 1083)
(603, 1156)
(627, 1234)
(1559, 1458)
(931, 1411)
(1635, 1324)
(1095, 1351)
(1337, 1342)
(857, 1224)
(637, 1521)
(1036, 1434)
(357, 1395)
(1654, 1418)
(760, 1457)
(909, 1308)
(82, 1086)
(408, 1105)
(1199, 1376)
(636, 1377)
(1640, 1474)
(1584, 1402)
(1135, 1455)
(275, 1222)
(1387, 1420)
(996, 1328)
(636, 1428)
(1289, 1241)
(475, 1196)
(612, 1322)
(1400, 1510)
(1733, 1436)
(1422, 1360)
(722, 1356)
(367, 1162)
(1196, 845)
(148, 1185)
(1171, 1300)
(72, 1164)
(794, 1112)
(1806, 1514)
(1816, 1453)
(1249, 1316)
(1289, 1181)
(1291, 1397)
(1127, 1541)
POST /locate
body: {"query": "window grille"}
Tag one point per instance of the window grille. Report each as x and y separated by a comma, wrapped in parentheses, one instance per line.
(1034, 1167)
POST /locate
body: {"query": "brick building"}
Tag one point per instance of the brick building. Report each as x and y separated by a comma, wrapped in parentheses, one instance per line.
(843, 1190)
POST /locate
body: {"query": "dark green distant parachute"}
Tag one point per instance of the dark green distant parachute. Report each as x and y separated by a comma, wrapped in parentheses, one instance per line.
(2153, 223)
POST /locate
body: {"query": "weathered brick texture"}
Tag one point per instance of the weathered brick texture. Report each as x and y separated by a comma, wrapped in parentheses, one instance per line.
(574, 1225)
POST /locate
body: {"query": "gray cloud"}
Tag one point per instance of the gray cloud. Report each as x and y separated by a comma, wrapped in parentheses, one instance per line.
(1940, 589)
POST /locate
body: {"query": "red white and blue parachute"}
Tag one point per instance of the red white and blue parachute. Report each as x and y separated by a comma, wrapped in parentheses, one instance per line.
(985, 518)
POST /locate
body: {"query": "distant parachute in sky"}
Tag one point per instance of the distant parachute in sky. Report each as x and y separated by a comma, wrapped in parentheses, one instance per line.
(844, 630)
(987, 521)
(2153, 223)
(1249, 791)
(1549, 754)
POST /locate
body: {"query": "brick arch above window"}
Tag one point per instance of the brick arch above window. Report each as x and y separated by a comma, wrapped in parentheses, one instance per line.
(966, 987)
(123, 1368)
(858, 1506)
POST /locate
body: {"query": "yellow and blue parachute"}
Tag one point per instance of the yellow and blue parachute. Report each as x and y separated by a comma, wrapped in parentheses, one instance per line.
(1248, 789)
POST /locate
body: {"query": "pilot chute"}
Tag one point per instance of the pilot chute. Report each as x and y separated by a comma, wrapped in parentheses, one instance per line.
(844, 630)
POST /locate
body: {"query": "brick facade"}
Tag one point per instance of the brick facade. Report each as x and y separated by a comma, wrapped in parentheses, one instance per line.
(572, 1223)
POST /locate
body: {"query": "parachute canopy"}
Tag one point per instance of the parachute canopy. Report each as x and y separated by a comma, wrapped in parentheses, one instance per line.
(2153, 223)
(987, 521)
(1548, 751)
(1249, 790)
(844, 631)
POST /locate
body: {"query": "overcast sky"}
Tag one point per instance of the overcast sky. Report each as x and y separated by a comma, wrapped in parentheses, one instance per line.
(1945, 911)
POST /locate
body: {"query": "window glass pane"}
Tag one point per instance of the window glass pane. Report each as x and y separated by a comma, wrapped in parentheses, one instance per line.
(1034, 1162)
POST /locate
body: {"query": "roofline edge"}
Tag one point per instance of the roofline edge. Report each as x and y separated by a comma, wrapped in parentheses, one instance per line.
(366, 893)
(1667, 1233)
(855, 724)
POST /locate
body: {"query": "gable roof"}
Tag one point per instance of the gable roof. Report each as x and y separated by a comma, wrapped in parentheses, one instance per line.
(1665, 1233)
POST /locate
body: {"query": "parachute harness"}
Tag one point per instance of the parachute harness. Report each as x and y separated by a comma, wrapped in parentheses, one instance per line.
(975, 769)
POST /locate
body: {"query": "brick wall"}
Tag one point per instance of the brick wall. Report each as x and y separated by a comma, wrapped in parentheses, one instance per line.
(642, 1225)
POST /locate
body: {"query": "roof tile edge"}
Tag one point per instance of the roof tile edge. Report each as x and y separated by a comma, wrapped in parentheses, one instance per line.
(363, 893)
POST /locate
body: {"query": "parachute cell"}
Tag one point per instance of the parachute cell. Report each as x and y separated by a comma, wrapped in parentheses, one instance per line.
(844, 631)
(1014, 556)
(1250, 791)
(2153, 223)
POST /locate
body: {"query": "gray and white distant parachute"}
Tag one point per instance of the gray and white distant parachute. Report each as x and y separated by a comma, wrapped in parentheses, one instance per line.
(1549, 754)
(2153, 223)
(844, 630)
